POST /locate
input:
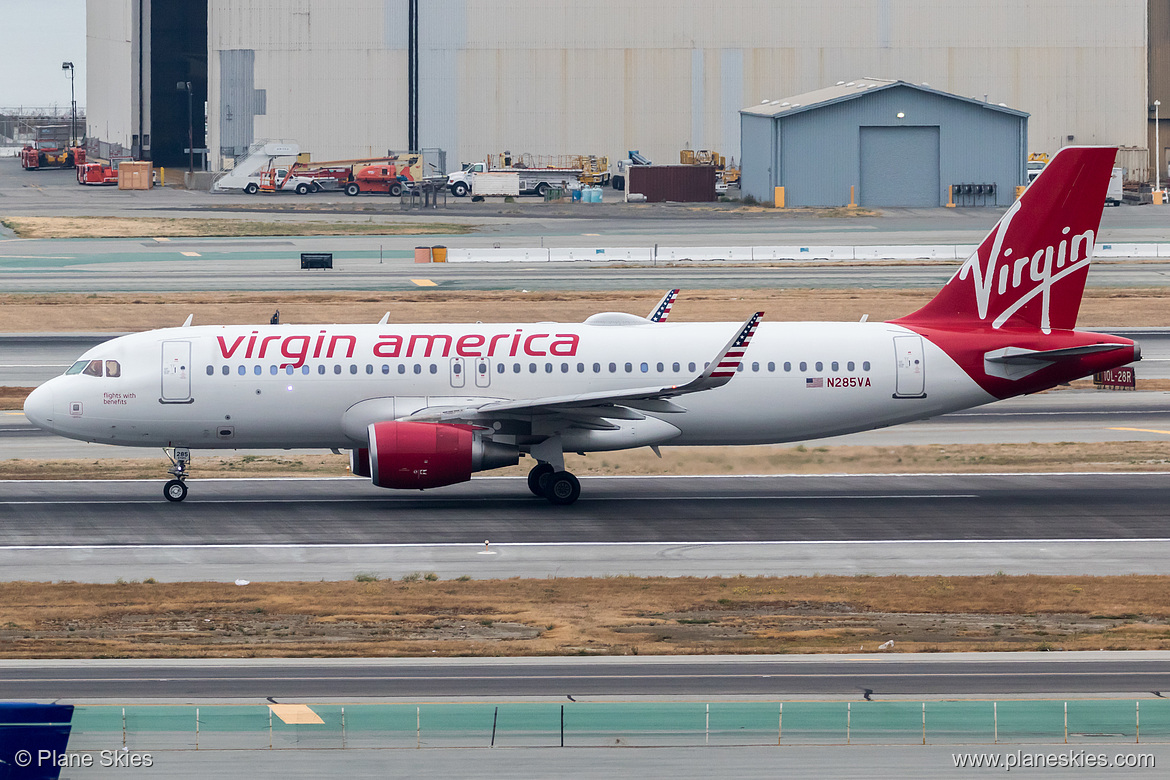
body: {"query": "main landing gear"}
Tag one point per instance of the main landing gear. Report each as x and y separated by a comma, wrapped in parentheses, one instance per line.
(559, 487)
(176, 489)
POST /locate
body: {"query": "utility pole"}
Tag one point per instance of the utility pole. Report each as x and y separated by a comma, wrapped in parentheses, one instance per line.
(1157, 149)
(412, 76)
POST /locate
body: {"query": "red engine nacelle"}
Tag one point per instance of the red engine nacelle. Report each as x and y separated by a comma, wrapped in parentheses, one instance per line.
(426, 455)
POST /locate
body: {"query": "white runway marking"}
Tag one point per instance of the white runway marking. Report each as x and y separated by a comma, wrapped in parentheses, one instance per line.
(505, 545)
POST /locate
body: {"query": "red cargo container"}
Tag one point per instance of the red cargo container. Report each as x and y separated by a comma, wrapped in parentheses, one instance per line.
(678, 183)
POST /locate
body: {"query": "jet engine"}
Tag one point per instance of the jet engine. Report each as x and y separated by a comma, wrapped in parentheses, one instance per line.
(425, 455)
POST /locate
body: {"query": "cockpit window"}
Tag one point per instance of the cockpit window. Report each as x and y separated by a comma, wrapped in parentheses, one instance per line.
(94, 368)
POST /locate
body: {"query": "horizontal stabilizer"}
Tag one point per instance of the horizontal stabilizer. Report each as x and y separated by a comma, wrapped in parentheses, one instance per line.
(1021, 355)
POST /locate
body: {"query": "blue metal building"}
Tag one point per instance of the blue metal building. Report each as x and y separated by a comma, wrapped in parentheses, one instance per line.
(896, 144)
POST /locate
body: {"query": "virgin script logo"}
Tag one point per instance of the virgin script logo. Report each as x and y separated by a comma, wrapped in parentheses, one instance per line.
(1044, 268)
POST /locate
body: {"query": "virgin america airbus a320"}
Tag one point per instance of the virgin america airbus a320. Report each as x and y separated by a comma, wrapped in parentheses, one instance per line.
(423, 406)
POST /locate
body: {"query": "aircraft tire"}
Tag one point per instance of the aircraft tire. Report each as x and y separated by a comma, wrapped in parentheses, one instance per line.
(538, 479)
(563, 488)
(175, 490)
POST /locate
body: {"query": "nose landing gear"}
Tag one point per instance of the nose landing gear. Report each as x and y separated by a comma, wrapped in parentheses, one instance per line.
(176, 489)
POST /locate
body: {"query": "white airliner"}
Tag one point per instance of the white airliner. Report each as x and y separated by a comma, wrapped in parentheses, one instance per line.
(421, 406)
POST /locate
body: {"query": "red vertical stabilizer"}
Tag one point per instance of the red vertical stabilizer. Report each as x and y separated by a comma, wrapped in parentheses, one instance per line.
(1029, 272)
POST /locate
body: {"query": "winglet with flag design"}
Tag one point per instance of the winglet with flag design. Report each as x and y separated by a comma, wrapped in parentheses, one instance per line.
(662, 310)
(724, 366)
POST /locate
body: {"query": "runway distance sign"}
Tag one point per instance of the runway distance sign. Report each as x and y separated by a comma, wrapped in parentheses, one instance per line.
(1122, 378)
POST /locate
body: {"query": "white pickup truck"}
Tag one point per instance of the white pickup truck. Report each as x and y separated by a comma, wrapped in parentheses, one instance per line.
(532, 180)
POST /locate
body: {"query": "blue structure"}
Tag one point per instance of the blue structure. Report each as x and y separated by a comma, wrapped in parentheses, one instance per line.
(33, 739)
(897, 144)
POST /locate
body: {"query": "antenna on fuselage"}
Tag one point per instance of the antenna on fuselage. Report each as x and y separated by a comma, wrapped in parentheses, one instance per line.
(384, 319)
(187, 322)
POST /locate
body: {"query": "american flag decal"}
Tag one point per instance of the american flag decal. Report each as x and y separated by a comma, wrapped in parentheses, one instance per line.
(729, 361)
(663, 311)
(814, 381)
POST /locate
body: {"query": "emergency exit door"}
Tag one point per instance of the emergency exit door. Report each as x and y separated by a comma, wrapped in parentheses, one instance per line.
(911, 378)
(483, 372)
(176, 372)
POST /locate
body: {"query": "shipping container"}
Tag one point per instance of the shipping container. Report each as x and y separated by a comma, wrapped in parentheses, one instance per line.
(676, 183)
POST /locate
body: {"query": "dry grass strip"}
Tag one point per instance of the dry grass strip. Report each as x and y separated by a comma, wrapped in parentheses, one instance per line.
(143, 311)
(774, 459)
(410, 615)
(151, 227)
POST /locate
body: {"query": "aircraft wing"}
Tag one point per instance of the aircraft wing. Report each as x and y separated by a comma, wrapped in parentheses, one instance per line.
(611, 404)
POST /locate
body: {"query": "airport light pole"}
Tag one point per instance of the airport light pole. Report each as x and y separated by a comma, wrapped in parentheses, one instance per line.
(186, 86)
(72, 102)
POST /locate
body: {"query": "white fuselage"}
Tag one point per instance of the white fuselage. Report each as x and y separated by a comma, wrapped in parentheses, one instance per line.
(292, 386)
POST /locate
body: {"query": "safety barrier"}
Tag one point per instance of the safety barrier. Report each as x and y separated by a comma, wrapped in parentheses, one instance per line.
(669, 254)
(574, 724)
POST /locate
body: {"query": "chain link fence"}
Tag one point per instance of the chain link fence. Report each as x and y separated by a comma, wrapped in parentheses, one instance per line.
(639, 724)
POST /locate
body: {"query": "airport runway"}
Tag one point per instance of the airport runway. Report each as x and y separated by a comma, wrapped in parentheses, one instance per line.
(264, 265)
(272, 530)
(611, 509)
(760, 677)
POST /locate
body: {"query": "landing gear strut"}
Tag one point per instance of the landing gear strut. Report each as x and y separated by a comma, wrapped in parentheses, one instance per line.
(559, 487)
(176, 489)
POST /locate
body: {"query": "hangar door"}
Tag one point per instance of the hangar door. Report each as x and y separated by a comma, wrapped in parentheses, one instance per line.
(900, 166)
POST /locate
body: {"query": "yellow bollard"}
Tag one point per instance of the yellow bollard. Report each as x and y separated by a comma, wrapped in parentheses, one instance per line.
(778, 197)
(852, 200)
(162, 177)
(950, 196)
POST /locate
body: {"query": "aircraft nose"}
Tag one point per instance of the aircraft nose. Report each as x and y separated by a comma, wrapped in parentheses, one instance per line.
(38, 407)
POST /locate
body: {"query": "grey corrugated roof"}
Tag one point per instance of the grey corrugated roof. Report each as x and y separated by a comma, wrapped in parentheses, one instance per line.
(843, 91)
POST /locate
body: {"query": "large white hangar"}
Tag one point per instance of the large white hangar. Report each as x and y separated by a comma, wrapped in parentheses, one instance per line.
(875, 142)
(350, 78)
